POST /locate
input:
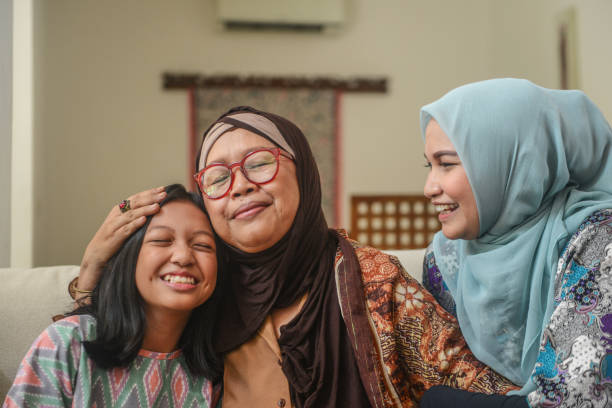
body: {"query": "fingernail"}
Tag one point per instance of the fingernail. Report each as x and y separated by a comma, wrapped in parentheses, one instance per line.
(158, 189)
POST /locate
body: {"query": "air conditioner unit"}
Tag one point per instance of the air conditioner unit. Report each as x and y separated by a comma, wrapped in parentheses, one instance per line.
(306, 15)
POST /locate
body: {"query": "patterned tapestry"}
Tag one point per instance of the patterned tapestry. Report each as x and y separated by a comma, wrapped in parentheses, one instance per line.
(315, 112)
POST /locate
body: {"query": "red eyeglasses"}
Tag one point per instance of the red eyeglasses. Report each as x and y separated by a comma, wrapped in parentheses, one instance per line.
(259, 167)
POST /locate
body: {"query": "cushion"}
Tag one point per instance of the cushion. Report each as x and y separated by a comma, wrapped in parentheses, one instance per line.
(29, 298)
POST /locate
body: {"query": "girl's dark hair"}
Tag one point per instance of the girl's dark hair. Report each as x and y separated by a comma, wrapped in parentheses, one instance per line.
(118, 309)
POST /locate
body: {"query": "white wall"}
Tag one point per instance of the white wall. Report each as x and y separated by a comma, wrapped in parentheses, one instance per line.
(22, 166)
(104, 128)
(6, 111)
(525, 44)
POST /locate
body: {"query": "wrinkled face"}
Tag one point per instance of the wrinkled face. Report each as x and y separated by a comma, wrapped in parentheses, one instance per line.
(252, 217)
(448, 188)
(177, 263)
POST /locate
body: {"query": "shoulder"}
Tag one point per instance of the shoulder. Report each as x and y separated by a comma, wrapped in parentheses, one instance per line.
(588, 243)
(65, 334)
(376, 265)
(80, 327)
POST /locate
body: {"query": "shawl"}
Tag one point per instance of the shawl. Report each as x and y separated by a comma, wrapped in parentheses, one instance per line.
(539, 162)
(317, 355)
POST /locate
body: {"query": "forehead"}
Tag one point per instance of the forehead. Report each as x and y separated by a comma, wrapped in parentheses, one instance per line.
(180, 212)
(236, 143)
(436, 138)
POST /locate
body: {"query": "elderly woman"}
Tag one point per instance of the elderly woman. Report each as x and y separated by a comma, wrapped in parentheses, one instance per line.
(522, 176)
(309, 318)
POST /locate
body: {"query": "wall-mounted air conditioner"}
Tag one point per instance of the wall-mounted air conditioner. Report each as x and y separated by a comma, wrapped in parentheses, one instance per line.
(307, 15)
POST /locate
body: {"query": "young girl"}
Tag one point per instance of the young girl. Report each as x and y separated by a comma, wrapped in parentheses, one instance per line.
(522, 178)
(136, 343)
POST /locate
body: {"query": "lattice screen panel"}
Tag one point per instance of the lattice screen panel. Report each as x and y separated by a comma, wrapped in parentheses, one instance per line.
(393, 222)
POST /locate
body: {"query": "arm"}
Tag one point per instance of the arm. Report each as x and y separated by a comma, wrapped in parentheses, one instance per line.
(417, 343)
(572, 367)
(115, 229)
(431, 347)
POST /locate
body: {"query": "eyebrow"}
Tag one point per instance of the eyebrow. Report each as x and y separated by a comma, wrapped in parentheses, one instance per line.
(164, 227)
(444, 153)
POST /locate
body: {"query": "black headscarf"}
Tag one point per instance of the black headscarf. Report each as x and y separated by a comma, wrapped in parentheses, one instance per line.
(317, 356)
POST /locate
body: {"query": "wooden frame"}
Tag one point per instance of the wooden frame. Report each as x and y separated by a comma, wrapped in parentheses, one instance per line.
(393, 221)
(568, 49)
(190, 81)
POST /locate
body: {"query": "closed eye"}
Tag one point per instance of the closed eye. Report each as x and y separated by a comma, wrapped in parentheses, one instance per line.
(203, 247)
(160, 242)
(221, 179)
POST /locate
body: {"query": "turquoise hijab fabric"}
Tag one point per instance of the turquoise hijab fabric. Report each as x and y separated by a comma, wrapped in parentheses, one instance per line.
(539, 162)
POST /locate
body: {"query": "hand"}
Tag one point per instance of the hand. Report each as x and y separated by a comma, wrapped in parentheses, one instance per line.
(115, 229)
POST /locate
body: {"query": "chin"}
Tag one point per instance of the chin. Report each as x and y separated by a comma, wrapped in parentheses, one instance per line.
(254, 242)
(257, 237)
(450, 234)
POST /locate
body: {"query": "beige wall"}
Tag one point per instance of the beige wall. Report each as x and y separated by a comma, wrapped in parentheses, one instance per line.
(524, 44)
(22, 138)
(104, 128)
(6, 111)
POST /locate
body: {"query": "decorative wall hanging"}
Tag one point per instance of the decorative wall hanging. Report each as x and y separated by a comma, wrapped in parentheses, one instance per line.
(312, 104)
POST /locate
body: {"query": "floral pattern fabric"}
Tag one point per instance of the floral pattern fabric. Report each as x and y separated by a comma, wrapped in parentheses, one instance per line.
(57, 372)
(416, 344)
(574, 365)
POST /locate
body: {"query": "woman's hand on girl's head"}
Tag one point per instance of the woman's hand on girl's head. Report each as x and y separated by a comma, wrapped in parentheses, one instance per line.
(115, 229)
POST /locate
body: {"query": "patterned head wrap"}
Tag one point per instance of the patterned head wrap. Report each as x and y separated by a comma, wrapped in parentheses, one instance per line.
(255, 123)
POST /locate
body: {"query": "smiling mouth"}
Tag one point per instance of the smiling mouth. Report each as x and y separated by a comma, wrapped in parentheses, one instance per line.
(188, 280)
(446, 208)
(250, 210)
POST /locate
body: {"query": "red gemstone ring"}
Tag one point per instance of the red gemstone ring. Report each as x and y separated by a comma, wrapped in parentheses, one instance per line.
(124, 206)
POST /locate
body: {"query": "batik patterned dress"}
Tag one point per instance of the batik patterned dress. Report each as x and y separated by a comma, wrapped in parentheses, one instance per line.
(574, 366)
(404, 341)
(57, 372)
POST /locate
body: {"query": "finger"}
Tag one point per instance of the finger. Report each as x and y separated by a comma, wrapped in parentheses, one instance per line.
(148, 197)
(115, 222)
(107, 244)
(147, 210)
(131, 227)
(142, 199)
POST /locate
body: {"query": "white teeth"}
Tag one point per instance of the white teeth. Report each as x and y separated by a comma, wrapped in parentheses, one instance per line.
(445, 207)
(179, 279)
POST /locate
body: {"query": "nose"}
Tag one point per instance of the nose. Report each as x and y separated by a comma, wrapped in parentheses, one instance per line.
(432, 186)
(241, 184)
(182, 254)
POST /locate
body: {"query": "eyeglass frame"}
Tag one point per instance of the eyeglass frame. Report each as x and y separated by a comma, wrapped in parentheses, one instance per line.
(276, 151)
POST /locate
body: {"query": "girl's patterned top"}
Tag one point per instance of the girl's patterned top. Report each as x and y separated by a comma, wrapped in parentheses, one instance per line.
(57, 372)
(574, 367)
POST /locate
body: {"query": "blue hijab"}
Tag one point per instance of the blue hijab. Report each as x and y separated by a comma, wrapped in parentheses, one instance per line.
(539, 162)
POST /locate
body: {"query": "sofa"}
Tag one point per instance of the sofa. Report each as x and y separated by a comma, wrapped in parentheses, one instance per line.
(31, 296)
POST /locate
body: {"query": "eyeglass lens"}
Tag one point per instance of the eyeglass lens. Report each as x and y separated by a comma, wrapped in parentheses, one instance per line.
(259, 167)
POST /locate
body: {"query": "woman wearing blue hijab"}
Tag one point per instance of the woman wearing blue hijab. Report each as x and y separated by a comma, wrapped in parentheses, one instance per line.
(522, 179)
